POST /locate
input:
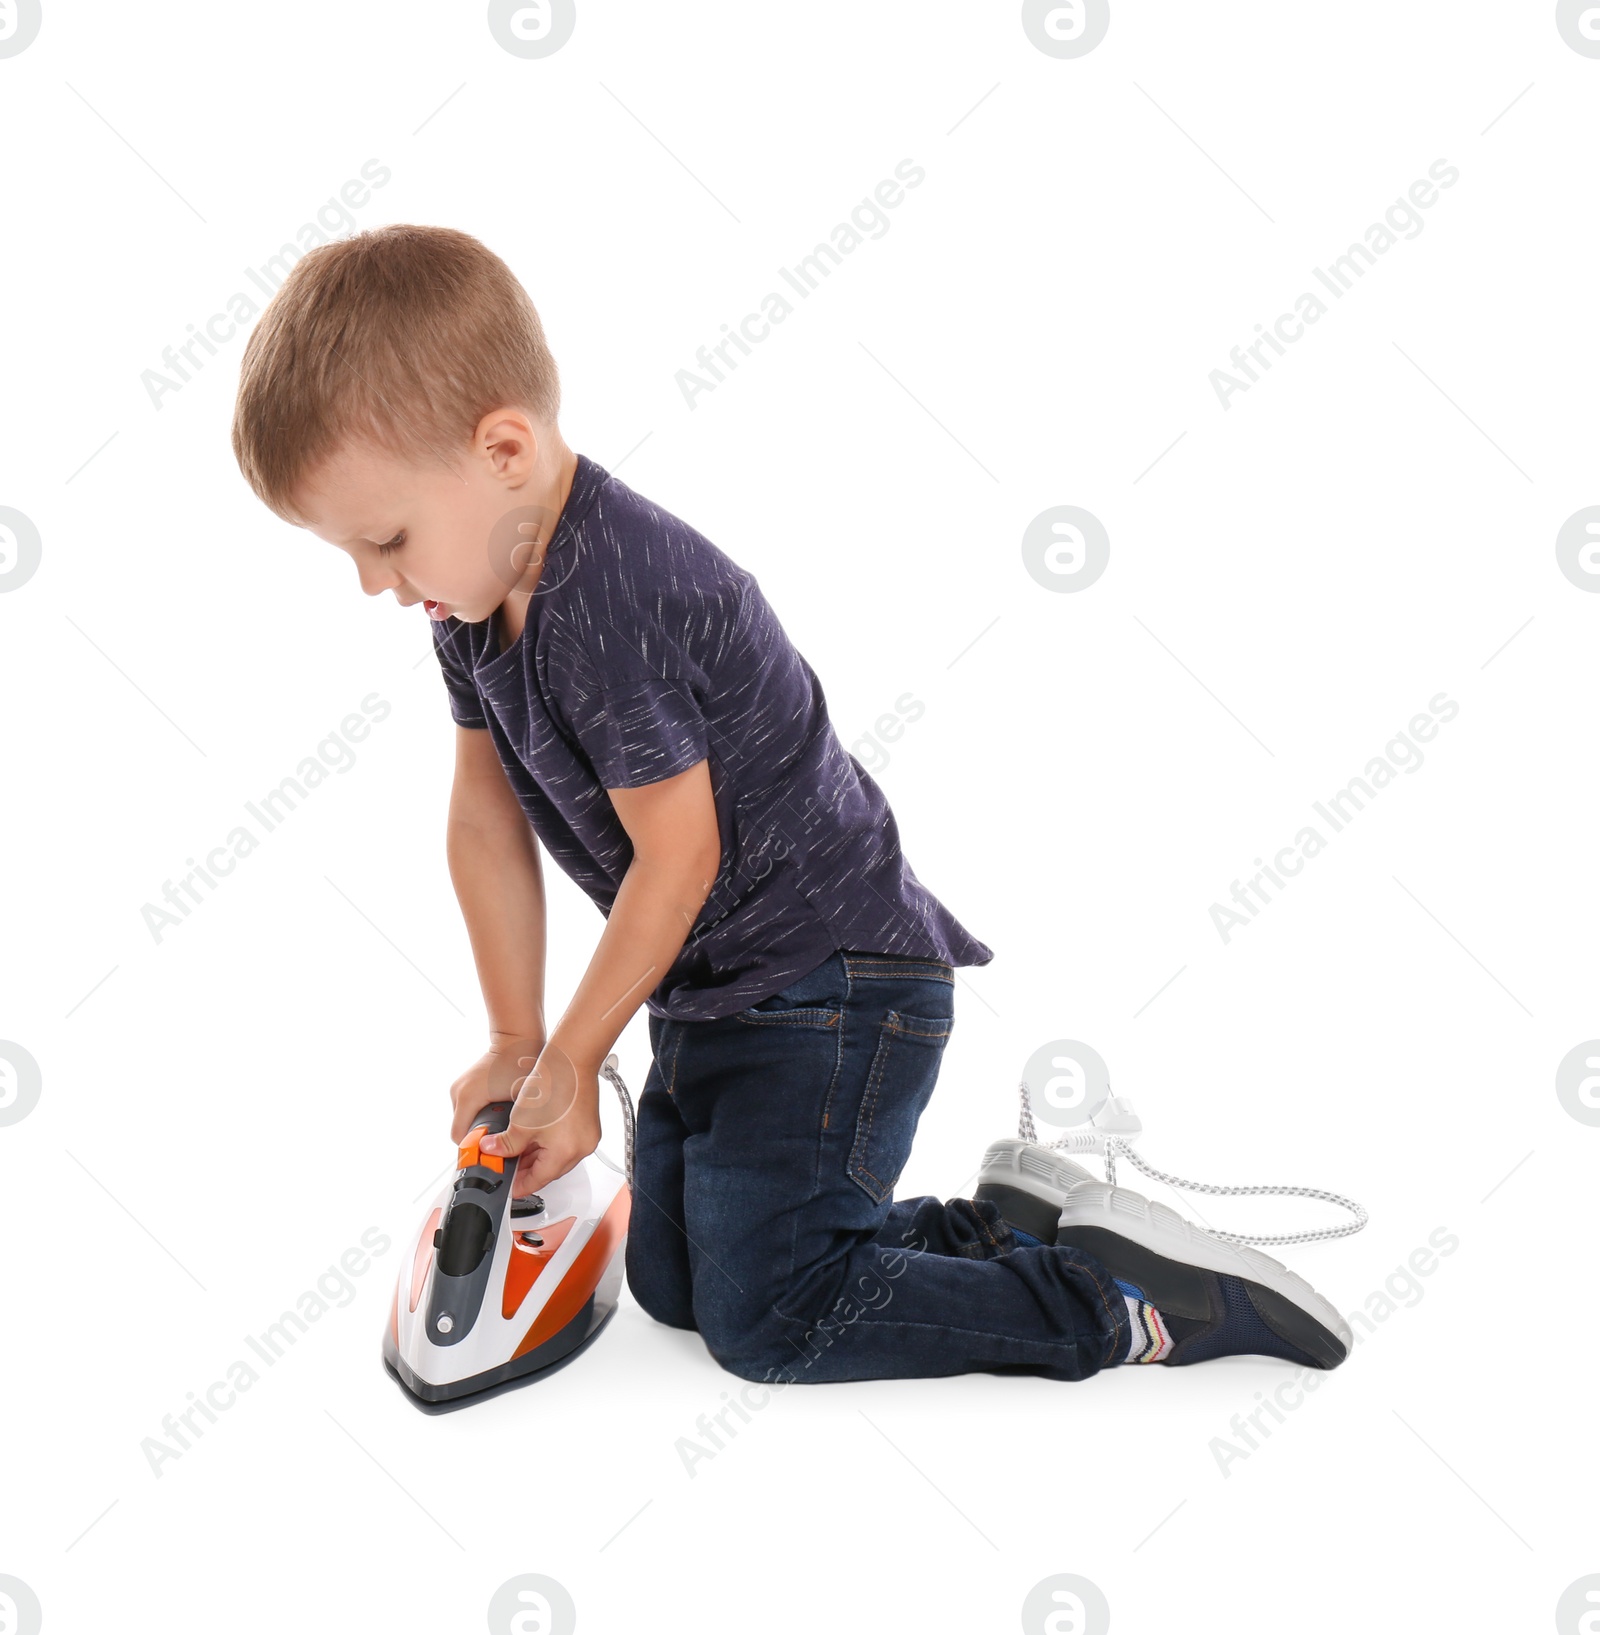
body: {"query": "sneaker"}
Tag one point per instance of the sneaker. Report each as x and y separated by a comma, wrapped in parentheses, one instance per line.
(1030, 1183)
(1191, 1295)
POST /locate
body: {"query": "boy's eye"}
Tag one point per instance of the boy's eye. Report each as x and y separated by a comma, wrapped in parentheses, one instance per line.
(394, 544)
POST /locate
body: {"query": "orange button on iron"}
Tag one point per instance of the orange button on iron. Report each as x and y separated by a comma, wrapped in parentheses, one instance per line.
(470, 1153)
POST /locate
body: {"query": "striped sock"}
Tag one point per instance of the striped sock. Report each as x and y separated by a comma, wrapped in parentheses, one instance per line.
(1151, 1341)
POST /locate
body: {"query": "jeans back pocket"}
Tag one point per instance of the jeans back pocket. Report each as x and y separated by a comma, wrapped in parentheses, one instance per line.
(789, 1016)
(904, 1071)
(814, 1000)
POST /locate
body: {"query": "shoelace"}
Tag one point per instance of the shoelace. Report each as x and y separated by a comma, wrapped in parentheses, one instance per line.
(1110, 1135)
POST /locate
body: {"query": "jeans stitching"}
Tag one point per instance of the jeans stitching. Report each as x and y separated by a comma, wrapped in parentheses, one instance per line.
(932, 967)
(917, 1033)
(988, 1230)
(872, 969)
(891, 1027)
(869, 1104)
(838, 1062)
(822, 1140)
(794, 1019)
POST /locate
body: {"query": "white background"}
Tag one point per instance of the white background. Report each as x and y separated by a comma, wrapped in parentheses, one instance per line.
(224, 1112)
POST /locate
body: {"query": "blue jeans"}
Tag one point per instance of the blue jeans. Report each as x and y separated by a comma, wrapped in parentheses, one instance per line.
(767, 1148)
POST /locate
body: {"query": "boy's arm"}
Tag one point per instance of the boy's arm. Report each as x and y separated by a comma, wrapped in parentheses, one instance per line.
(677, 850)
(676, 853)
(494, 866)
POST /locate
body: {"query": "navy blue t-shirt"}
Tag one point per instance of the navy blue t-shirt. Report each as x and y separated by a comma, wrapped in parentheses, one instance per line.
(645, 650)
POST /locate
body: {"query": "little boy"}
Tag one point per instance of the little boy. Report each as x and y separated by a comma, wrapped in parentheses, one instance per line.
(622, 690)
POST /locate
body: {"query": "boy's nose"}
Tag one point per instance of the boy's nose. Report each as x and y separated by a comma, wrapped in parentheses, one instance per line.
(375, 580)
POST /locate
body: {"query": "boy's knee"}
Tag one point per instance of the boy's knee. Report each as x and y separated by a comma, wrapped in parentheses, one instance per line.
(752, 1356)
(743, 1334)
(661, 1295)
(753, 1338)
(664, 1312)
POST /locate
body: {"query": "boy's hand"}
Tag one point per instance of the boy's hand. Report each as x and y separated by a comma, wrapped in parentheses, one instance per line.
(555, 1122)
(497, 1075)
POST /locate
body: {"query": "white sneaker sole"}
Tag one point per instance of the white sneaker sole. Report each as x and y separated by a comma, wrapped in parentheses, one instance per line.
(1173, 1245)
(1029, 1183)
(1025, 1164)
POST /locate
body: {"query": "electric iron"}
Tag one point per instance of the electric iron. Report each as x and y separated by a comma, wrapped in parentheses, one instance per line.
(497, 1290)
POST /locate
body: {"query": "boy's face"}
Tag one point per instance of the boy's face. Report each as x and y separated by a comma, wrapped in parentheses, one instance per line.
(428, 533)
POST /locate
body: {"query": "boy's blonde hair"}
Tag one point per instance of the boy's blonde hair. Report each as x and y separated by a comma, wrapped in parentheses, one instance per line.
(402, 337)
